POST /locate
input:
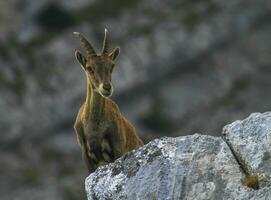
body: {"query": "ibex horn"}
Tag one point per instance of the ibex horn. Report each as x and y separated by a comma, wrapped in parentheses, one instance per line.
(86, 43)
(105, 43)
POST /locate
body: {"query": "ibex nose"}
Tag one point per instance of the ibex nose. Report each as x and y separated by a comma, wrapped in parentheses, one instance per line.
(107, 86)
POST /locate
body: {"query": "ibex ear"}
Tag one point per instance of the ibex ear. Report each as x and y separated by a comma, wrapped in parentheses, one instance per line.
(81, 59)
(114, 53)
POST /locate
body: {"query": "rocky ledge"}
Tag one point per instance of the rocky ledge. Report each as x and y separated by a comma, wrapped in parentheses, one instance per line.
(195, 167)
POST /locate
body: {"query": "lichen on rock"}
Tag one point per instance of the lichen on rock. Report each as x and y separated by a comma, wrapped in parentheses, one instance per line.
(194, 167)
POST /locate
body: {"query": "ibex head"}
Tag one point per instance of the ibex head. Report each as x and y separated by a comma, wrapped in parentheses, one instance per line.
(98, 67)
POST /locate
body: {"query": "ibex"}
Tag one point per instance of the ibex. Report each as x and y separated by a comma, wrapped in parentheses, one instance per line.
(103, 133)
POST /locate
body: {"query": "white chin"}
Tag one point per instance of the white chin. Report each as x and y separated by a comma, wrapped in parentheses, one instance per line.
(106, 94)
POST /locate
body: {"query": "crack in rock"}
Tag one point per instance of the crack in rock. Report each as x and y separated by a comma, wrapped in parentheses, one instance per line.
(193, 167)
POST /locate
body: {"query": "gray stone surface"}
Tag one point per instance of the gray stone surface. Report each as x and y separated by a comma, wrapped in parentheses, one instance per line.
(195, 167)
(251, 142)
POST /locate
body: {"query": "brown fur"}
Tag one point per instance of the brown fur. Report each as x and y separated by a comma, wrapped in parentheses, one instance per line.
(103, 133)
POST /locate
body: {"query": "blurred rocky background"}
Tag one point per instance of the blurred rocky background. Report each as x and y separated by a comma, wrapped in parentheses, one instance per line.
(186, 66)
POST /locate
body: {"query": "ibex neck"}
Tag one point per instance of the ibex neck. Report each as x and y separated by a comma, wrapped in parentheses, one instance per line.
(94, 105)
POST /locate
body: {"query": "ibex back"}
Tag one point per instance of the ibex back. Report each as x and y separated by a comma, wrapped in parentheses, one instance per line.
(103, 133)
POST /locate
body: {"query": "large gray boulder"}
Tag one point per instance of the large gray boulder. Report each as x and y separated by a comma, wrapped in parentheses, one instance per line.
(250, 139)
(194, 167)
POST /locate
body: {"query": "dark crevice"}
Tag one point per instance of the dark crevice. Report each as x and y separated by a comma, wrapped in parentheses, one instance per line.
(54, 18)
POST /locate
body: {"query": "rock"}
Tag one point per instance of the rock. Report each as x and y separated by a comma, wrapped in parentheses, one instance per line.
(189, 167)
(251, 141)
